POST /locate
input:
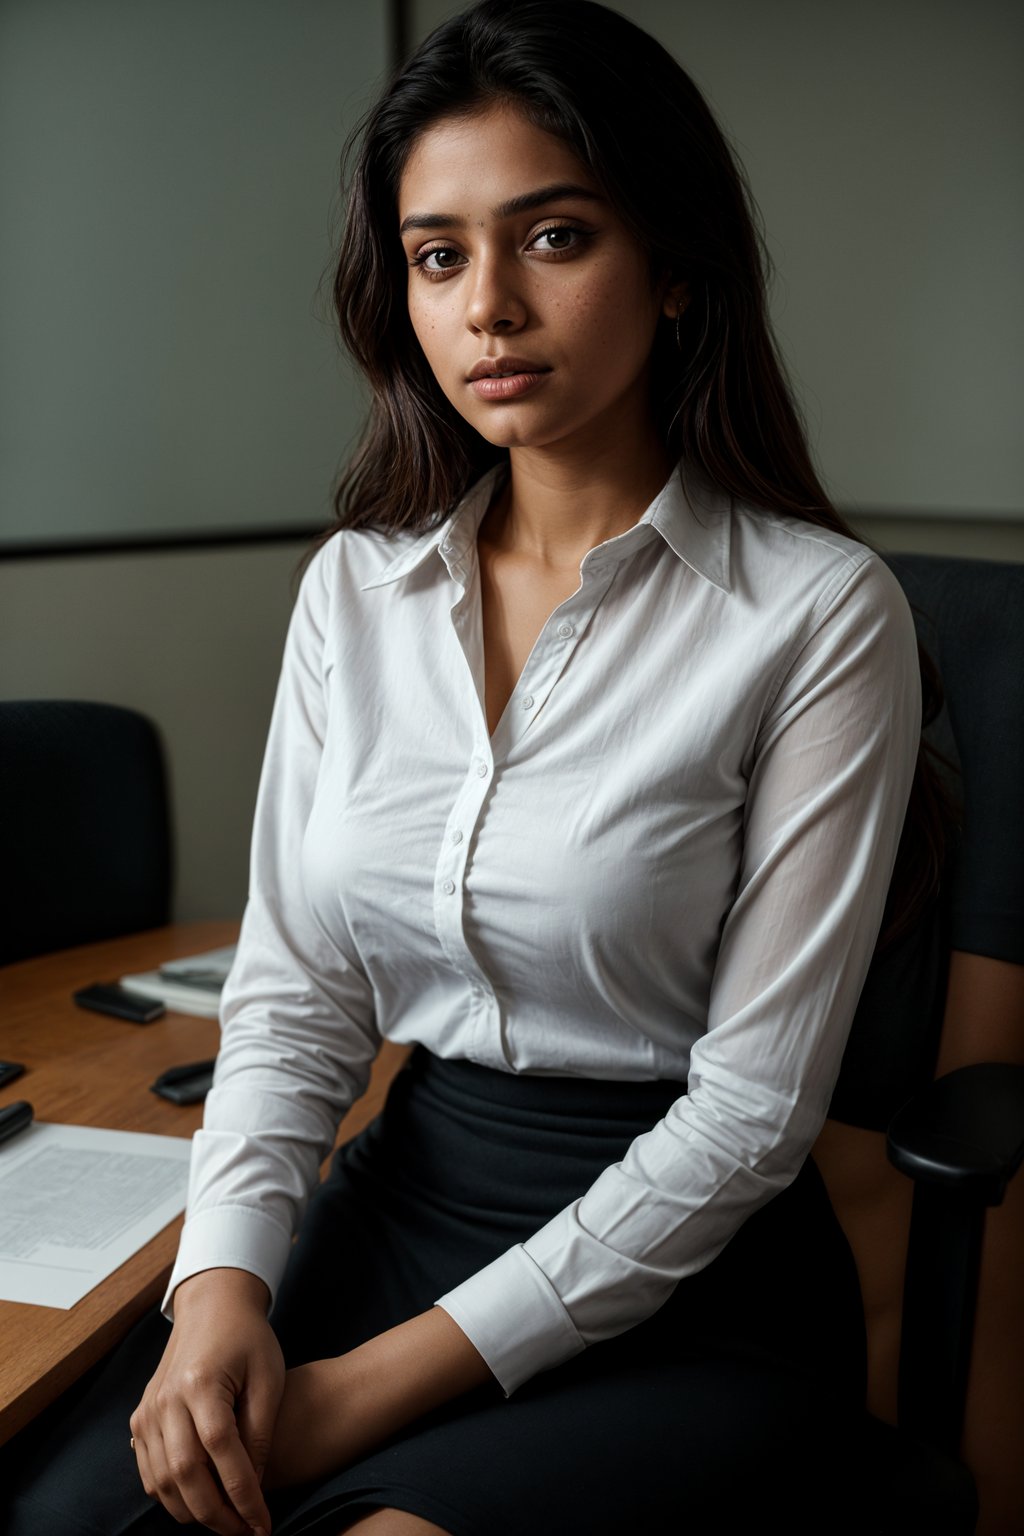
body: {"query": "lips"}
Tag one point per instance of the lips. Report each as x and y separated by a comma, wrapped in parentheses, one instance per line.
(508, 386)
(504, 367)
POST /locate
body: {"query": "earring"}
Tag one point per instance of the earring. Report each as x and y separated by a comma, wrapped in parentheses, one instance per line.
(679, 314)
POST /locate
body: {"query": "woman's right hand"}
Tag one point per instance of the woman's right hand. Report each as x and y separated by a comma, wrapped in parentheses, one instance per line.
(204, 1426)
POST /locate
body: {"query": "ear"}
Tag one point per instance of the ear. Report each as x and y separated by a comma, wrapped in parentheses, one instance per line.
(675, 300)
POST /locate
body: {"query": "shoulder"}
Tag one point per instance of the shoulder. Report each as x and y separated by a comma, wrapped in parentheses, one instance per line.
(353, 557)
(342, 573)
(334, 604)
(812, 572)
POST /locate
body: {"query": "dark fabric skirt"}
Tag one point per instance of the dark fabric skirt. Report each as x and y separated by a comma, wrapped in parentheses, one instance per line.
(735, 1398)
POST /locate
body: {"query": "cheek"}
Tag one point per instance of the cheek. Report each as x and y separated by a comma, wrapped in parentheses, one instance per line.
(432, 321)
(612, 319)
(420, 320)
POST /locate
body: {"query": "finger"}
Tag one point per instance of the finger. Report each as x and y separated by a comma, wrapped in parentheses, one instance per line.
(193, 1479)
(219, 1436)
(152, 1464)
(147, 1447)
(256, 1413)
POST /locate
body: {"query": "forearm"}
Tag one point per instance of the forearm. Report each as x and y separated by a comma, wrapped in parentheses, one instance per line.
(409, 1371)
(335, 1411)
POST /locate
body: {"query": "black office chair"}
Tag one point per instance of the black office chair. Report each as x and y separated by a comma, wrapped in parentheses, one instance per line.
(85, 844)
(960, 1138)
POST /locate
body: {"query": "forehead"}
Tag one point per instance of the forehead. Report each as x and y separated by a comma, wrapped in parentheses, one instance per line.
(468, 165)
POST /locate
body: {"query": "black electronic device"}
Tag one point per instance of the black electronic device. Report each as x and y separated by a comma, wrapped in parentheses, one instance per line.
(9, 1070)
(109, 997)
(187, 1084)
(14, 1118)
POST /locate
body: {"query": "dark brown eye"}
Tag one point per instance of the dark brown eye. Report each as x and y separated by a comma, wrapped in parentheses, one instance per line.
(423, 259)
(560, 237)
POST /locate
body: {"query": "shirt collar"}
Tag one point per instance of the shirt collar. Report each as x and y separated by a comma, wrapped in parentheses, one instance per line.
(690, 514)
(453, 539)
(694, 518)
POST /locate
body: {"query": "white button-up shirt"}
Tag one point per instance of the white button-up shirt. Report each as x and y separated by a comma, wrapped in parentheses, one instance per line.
(669, 861)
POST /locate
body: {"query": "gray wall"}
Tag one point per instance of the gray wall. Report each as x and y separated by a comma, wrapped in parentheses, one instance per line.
(893, 353)
(167, 173)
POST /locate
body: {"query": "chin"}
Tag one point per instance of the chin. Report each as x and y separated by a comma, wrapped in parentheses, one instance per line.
(517, 434)
(508, 438)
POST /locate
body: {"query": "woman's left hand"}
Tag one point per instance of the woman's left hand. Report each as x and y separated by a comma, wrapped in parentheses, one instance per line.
(334, 1411)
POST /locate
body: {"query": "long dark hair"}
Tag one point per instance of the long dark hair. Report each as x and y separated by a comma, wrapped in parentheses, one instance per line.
(721, 397)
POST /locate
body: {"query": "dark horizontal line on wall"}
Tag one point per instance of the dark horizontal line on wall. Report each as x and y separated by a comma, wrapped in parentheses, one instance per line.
(923, 515)
(305, 533)
(218, 538)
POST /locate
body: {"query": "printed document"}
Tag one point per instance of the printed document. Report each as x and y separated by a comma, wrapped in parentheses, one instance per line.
(77, 1201)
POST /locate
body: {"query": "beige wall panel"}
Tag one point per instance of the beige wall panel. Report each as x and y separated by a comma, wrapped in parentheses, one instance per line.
(194, 641)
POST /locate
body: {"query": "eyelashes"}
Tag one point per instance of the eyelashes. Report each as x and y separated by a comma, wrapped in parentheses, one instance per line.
(434, 274)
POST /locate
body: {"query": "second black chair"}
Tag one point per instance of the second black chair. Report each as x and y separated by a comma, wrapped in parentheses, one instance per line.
(85, 844)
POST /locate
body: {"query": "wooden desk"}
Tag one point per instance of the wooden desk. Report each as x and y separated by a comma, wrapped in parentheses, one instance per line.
(87, 1069)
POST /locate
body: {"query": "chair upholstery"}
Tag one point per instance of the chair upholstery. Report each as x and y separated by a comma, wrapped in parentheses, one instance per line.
(971, 617)
(84, 829)
(914, 1013)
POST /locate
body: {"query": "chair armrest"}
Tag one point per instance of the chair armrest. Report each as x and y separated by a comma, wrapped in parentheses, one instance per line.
(961, 1140)
(964, 1132)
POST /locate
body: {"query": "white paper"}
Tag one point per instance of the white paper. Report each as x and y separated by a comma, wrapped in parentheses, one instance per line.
(77, 1201)
(176, 995)
(209, 969)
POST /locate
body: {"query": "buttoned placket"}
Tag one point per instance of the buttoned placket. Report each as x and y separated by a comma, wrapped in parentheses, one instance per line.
(555, 645)
(453, 855)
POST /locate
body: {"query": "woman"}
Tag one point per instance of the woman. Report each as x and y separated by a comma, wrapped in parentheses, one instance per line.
(587, 773)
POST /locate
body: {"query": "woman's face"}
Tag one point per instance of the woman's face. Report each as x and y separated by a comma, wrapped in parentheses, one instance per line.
(517, 263)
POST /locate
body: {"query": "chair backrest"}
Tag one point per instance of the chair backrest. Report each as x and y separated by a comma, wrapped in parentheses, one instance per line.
(970, 618)
(85, 847)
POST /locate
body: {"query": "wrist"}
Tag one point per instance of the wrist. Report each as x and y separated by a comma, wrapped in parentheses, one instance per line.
(238, 1288)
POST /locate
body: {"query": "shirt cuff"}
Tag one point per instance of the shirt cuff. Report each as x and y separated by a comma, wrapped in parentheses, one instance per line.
(238, 1237)
(512, 1314)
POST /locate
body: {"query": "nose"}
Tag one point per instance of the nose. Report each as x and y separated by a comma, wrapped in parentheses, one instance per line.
(495, 305)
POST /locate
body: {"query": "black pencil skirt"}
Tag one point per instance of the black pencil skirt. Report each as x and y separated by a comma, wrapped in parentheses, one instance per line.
(735, 1399)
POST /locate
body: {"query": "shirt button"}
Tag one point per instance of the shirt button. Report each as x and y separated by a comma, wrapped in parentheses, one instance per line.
(528, 701)
(456, 836)
(481, 770)
(448, 887)
(565, 630)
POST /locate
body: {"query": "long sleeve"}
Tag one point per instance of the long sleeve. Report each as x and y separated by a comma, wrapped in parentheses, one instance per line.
(829, 780)
(297, 1018)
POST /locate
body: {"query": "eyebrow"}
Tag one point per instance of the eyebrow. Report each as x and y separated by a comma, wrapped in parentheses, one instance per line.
(559, 191)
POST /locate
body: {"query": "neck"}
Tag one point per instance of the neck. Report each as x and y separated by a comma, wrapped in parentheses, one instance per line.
(558, 505)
